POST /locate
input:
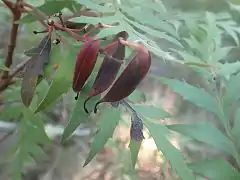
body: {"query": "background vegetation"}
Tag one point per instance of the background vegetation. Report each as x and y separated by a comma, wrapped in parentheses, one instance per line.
(189, 102)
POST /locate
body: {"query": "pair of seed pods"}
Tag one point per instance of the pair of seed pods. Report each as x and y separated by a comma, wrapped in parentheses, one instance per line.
(114, 53)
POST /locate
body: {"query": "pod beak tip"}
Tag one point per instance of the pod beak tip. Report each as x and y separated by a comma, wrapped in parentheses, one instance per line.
(76, 97)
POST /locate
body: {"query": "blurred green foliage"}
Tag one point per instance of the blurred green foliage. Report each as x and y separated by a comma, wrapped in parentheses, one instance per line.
(201, 36)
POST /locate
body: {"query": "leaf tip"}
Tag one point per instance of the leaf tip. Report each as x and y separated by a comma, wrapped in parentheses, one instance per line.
(86, 162)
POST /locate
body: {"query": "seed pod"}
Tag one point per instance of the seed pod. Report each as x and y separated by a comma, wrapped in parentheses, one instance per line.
(132, 75)
(109, 68)
(86, 60)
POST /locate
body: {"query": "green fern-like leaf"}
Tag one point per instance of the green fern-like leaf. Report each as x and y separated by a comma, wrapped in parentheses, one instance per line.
(32, 138)
(197, 96)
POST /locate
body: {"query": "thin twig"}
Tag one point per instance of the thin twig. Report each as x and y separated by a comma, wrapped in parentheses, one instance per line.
(19, 68)
(55, 25)
(59, 15)
(126, 104)
(58, 26)
(36, 11)
(9, 81)
(36, 16)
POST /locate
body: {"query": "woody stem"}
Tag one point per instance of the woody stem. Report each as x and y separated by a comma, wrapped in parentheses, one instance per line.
(13, 37)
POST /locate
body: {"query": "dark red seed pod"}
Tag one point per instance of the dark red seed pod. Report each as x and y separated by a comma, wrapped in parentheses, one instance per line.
(132, 75)
(86, 60)
(109, 67)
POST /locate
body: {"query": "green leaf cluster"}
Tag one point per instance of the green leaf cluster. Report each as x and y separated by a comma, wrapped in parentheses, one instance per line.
(197, 42)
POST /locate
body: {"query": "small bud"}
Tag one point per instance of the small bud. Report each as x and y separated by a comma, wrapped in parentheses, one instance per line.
(56, 66)
(58, 14)
(50, 22)
(39, 32)
(56, 41)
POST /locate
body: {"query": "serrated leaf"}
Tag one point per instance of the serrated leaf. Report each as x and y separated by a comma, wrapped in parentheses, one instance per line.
(236, 125)
(217, 169)
(154, 32)
(61, 82)
(38, 152)
(109, 32)
(189, 57)
(230, 30)
(94, 6)
(197, 96)
(202, 72)
(150, 45)
(108, 121)
(56, 57)
(228, 69)
(157, 6)
(49, 8)
(206, 133)
(40, 92)
(134, 147)
(95, 20)
(194, 44)
(78, 115)
(30, 134)
(232, 89)
(159, 133)
(144, 18)
(11, 111)
(12, 94)
(151, 111)
(220, 53)
(34, 69)
(235, 3)
(198, 64)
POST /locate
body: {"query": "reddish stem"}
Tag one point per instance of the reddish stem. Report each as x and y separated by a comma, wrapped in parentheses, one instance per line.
(131, 44)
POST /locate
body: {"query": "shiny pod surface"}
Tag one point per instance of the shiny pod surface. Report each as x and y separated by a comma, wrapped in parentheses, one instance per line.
(109, 68)
(86, 60)
(132, 75)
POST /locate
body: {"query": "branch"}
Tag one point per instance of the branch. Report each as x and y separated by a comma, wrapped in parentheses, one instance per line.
(19, 68)
(4, 84)
(13, 37)
(58, 26)
(16, 9)
(9, 4)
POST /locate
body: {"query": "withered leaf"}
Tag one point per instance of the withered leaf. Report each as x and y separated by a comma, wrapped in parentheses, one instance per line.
(136, 131)
(31, 52)
(35, 68)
